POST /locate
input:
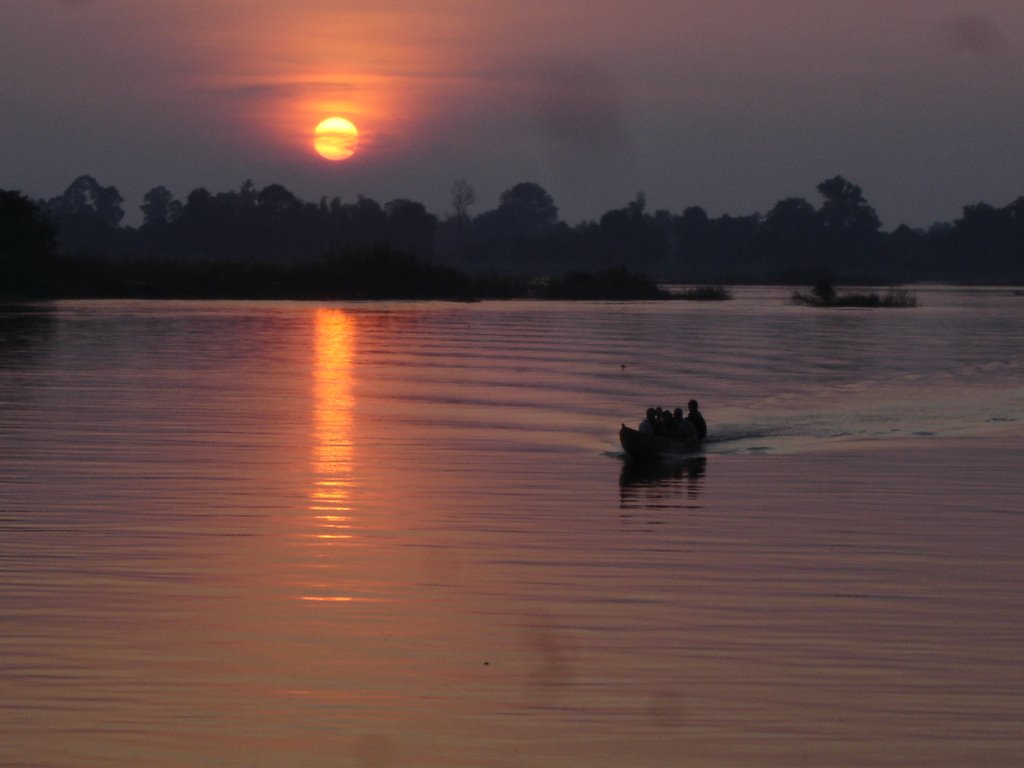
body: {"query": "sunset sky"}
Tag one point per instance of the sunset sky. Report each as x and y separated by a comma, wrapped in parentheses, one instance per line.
(728, 104)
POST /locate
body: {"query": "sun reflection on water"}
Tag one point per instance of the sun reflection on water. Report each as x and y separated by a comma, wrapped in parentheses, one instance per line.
(333, 403)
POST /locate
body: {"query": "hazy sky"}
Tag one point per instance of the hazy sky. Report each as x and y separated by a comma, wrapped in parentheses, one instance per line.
(728, 104)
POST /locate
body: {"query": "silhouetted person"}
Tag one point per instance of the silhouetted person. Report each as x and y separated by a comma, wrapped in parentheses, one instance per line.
(664, 421)
(647, 425)
(696, 419)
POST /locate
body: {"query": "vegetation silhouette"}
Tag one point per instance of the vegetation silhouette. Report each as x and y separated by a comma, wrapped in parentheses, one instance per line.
(27, 247)
(704, 293)
(266, 241)
(824, 294)
(371, 274)
(612, 284)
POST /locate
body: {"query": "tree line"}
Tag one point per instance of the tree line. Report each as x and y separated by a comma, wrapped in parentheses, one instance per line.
(796, 241)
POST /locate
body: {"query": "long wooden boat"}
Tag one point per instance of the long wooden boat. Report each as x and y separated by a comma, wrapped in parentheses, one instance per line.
(644, 445)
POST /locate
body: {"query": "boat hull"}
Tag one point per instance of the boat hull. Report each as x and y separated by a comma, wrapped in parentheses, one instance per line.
(643, 445)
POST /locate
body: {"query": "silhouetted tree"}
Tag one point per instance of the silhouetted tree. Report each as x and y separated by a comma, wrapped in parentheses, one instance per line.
(527, 210)
(1011, 263)
(988, 243)
(850, 228)
(633, 238)
(247, 195)
(275, 201)
(453, 232)
(25, 229)
(523, 235)
(518, 234)
(196, 226)
(734, 245)
(86, 198)
(790, 237)
(692, 232)
(288, 228)
(411, 228)
(159, 208)
(910, 252)
(27, 245)
(369, 222)
(845, 210)
(87, 216)
(463, 197)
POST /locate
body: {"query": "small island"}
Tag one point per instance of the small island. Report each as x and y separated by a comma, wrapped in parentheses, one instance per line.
(823, 294)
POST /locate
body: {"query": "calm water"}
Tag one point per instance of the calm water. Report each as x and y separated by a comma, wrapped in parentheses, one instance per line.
(284, 534)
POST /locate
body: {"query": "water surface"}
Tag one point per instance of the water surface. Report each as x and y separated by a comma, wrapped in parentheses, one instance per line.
(289, 534)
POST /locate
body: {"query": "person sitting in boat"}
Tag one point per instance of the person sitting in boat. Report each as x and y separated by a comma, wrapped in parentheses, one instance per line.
(677, 420)
(696, 419)
(648, 425)
(666, 425)
(678, 426)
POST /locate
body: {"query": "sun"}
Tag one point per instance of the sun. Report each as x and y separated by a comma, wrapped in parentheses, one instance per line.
(335, 138)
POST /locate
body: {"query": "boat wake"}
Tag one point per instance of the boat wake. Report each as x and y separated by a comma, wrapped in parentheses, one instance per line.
(810, 432)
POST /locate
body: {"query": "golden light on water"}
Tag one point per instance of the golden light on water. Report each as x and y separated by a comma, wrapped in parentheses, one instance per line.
(333, 403)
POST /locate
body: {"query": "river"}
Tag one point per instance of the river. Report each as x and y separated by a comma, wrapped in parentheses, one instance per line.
(404, 534)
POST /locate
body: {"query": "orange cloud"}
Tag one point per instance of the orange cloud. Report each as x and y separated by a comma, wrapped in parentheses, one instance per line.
(280, 70)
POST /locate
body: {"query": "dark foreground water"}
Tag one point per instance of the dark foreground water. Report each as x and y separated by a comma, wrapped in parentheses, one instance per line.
(242, 534)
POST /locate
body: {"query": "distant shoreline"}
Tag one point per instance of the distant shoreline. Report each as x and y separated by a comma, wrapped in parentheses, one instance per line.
(380, 274)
